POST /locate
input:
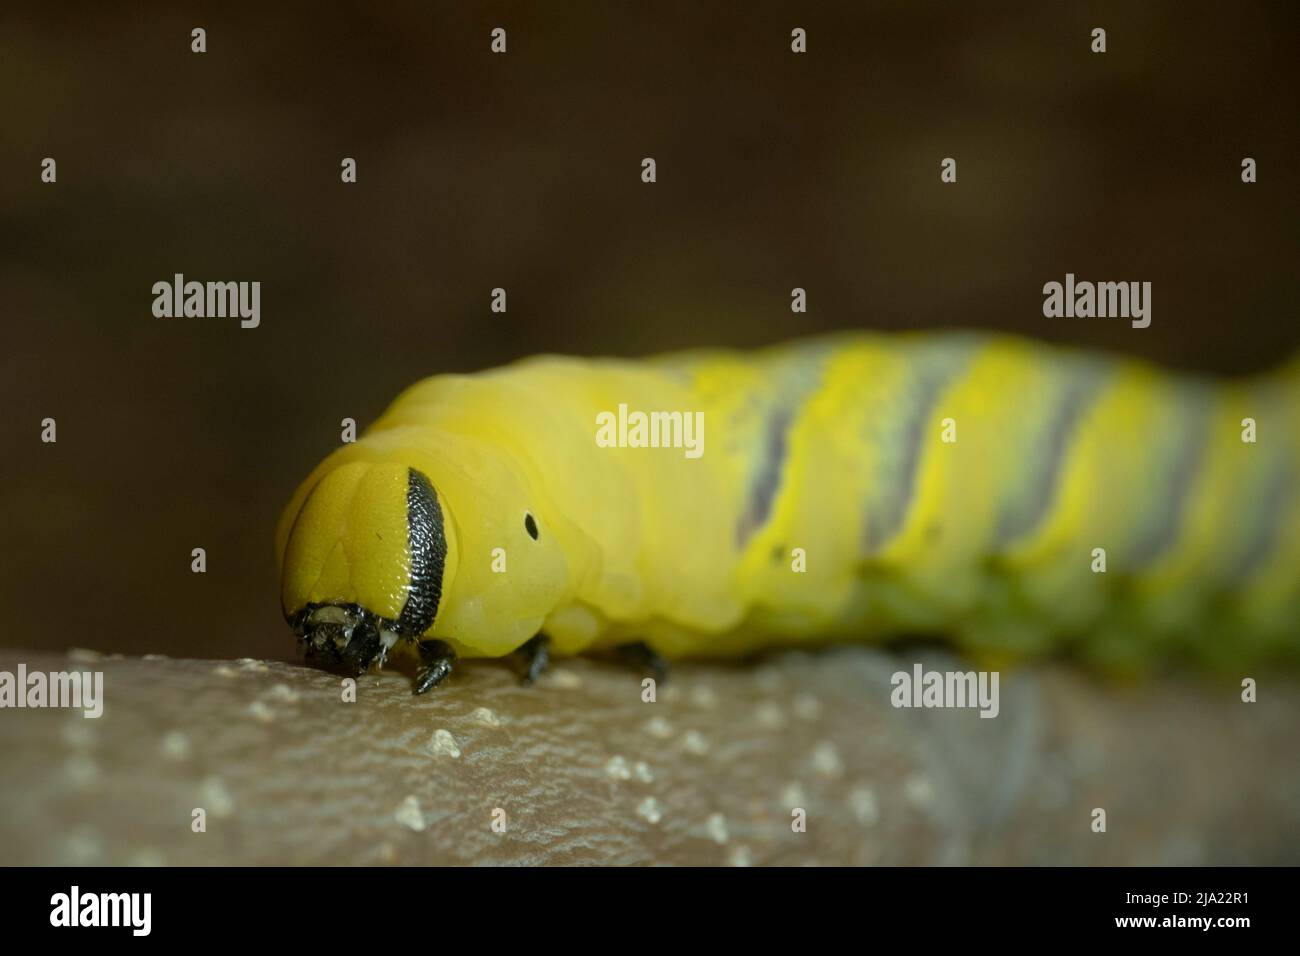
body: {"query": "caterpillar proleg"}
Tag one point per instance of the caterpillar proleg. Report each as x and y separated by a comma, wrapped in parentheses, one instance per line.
(1009, 496)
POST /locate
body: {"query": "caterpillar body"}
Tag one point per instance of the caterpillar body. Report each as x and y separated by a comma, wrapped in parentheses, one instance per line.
(1009, 496)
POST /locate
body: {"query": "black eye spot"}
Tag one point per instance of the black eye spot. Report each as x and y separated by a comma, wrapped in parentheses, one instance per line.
(530, 525)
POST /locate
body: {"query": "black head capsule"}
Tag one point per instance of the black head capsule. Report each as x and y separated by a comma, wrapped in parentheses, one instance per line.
(346, 636)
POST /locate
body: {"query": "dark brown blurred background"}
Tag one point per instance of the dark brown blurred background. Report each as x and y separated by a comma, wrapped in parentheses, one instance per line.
(522, 171)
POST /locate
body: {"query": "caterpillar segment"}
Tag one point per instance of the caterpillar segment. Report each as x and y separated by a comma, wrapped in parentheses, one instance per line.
(1007, 496)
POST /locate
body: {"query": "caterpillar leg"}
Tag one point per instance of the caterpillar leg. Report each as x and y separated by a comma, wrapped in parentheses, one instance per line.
(641, 656)
(436, 660)
(535, 653)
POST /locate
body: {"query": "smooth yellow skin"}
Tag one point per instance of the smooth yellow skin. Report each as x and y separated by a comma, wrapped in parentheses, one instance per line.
(342, 548)
(643, 543)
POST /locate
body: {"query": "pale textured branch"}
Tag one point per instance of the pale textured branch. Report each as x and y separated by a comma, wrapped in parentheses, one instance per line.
(588, 773)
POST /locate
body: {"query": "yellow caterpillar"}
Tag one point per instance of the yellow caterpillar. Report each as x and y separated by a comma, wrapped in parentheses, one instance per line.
(1009, 496)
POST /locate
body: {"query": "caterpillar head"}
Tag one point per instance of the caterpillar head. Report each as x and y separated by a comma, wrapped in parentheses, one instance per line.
(366, 562)
(379, 555)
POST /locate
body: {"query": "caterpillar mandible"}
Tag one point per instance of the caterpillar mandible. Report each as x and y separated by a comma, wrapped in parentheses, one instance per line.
(1012, 497)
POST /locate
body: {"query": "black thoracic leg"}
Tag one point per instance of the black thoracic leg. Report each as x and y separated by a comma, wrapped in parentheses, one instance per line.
(641, 655)
(535, 654)
(436, 659)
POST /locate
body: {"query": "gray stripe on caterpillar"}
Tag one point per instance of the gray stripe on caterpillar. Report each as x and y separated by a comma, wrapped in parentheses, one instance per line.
(1031, 505)
(1180, 471)
(1271, 496)
(762, 492)
(797, 381)
(1263, 538)
(893, 487)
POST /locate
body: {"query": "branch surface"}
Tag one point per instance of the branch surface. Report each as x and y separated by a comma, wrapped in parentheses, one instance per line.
(581, 770)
